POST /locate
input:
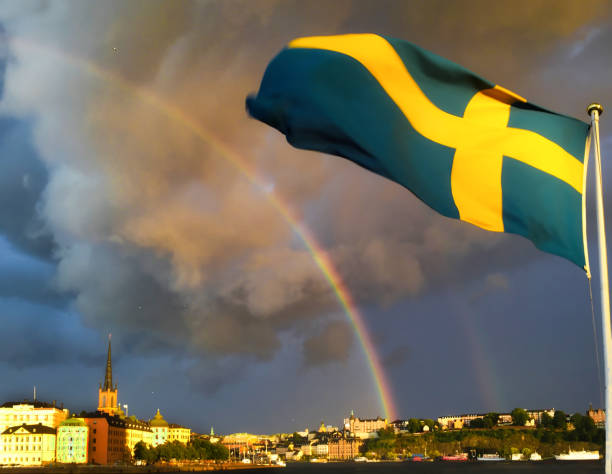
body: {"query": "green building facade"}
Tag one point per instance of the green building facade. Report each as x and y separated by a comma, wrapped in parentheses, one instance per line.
(72, 436)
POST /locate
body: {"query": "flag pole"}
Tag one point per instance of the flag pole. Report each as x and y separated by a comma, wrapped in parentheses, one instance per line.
(595, 110)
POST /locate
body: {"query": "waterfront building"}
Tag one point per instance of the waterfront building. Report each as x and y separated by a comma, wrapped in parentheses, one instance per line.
(598, 416)
(108, 439)
(113, 438)
(72, 437)
(239, 443)
(306, 449)
(320, 450)
(135, 431)
(180, 433)
(344, 448)
(364, 428)
(107, 394)
(28, 445)
(160, 429)
(31, 412)
(456, 422)
(536, 415)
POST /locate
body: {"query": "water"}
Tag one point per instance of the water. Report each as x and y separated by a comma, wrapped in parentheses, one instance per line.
(543, 467)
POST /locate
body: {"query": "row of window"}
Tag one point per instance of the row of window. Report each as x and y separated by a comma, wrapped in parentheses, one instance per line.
(24, 448)
(14, 460)
(23, 439)
(26, 418)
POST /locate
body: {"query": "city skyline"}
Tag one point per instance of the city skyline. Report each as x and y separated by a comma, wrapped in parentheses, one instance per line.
(236, 272)
(109, 404)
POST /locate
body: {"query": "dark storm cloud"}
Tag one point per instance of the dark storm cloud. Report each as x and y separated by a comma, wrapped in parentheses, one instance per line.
(209, 376)
(493, 282)
(22, 179)
(26, 278)
(36, 336)
(331, 343)
(397, 357)
(162, 239)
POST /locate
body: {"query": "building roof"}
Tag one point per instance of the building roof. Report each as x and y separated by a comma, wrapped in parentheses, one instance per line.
(38, 429)
(108, 375)
(158, 421)
(114, 420)
(175, 426)
(34, 403)
(73, 422)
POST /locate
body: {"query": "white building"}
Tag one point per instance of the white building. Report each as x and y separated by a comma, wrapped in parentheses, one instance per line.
(28, 445)
(29, 413)
(18, 413)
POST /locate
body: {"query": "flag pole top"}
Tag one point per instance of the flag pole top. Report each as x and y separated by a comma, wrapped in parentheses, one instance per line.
(595, 107)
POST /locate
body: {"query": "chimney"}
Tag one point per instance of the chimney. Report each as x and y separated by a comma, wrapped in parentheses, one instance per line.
(53, 403)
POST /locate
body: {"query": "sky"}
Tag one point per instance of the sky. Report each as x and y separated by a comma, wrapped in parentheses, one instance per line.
(122, 211)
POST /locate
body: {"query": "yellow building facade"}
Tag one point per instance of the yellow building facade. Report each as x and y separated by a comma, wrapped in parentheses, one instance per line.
(28, 445)
(135, 431)
(178, 433)
(18, 413)
(14, 414)
(364, 428)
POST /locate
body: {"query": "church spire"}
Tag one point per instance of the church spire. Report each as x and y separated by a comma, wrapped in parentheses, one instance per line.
(107, 394)
(108, 378)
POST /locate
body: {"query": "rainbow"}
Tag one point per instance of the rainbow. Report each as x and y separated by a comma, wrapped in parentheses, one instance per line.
(320, 257)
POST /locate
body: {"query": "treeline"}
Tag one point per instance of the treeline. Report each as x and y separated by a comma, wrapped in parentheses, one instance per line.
(196, 450)
(546, 440)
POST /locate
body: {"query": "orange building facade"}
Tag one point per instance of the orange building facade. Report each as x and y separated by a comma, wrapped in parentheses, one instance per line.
(107, 439)
(598, 416)
(343, 449)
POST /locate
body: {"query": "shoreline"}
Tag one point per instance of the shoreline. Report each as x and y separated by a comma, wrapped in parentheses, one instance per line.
(99, 469)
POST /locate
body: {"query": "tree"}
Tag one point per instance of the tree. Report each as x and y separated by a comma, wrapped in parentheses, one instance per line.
(559, 420)
(141, 451)
(576, 420)
(414, 425)
(546, 421)
(519, 417)
(201, 448)
(477, 423)
(386, 433)
(491, 419)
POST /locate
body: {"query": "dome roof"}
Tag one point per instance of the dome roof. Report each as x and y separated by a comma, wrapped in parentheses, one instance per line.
(158, 420)
(73, 422)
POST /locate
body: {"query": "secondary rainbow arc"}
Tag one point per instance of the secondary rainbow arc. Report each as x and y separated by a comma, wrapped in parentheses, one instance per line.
(319, 255)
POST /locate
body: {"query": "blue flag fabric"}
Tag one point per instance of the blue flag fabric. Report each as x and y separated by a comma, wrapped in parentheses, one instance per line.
(468, 148)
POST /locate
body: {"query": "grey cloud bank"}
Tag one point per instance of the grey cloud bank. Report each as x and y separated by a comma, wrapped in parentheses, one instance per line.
(146, 230)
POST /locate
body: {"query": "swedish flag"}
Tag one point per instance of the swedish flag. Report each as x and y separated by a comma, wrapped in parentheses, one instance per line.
(468, 148)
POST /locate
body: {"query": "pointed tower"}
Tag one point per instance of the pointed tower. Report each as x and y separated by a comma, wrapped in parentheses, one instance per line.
(107, 394)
